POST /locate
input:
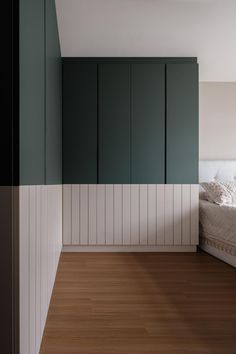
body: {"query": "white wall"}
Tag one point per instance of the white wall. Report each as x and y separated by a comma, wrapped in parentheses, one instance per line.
(130, 217)
(202, 28)
(217, 120)
(40, 247)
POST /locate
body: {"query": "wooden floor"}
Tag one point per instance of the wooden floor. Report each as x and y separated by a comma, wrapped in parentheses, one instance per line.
(142, 304)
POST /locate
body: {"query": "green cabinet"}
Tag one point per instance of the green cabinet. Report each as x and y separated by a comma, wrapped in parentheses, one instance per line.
(79, 122)
(148, 123)
(130, 120)
(114, 123)
(182, 123)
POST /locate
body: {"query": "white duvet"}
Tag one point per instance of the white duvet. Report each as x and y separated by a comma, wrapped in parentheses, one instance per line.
(218, 222)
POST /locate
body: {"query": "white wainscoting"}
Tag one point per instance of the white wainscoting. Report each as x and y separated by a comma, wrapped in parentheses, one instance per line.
(40, 247)
(119, 217)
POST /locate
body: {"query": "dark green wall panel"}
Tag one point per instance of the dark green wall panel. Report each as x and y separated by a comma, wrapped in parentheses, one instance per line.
(53, 96)
(148, 123)
(79, 122)
(40, 94)
(32, 94)
(182, 123)
(114, 123)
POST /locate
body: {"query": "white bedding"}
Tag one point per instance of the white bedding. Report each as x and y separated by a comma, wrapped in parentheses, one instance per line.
(218, 226)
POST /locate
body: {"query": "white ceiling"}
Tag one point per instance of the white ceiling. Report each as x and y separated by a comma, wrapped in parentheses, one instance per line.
(202, 28)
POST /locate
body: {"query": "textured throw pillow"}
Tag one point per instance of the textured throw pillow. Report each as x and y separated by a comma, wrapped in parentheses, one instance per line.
(231, 188)
(217, 193)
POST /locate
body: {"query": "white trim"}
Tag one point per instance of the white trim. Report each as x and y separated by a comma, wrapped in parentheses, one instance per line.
(122, 248)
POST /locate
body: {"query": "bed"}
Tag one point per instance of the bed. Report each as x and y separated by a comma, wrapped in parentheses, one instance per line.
(218, 223)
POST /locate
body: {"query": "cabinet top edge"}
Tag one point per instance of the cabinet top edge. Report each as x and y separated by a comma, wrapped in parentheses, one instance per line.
(131, 59)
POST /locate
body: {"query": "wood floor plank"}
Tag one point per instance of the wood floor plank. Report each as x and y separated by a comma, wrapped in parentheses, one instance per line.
(142, 303)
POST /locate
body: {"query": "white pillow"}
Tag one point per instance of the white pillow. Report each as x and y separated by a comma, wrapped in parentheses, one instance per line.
(231, 188)
(217, 193)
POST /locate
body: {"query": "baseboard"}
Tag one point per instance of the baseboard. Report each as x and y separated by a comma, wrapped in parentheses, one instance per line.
(122, 248)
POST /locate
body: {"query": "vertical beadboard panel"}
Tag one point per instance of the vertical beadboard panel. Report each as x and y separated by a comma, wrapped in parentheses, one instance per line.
(40, 247)
(152, 220)
(67, 214)
(83, 214)
(109, 214)
(75, 214)
(143, 213)
(44, 258)
(92, 214)
(58, 239)
(177, 214)
(134, 214)
(24, 268)
(186, 205)
(160, 197)
(118, 229)
(49, 245)
(131, 214)
(101, 215)
(38, 266)
(126, 240)
(169, 214)
(32, 268)
(194, 213)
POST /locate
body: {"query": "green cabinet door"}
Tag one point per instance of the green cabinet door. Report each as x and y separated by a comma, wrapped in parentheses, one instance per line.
(148, 123)
(79, 122)
(114, 123)
(182, 123)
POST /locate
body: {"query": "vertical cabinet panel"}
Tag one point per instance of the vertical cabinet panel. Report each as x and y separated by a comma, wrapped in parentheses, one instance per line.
(148, 123)
(114, 123)
(182, 123)
(79, 122)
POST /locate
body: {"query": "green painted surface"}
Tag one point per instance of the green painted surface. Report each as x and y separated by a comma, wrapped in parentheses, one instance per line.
(53, 95)
(147, 115)
(148, 123)
(114, 123)
(131, 60)
(79, 123)
(32, 84)
(182, 123)
(40, 94)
